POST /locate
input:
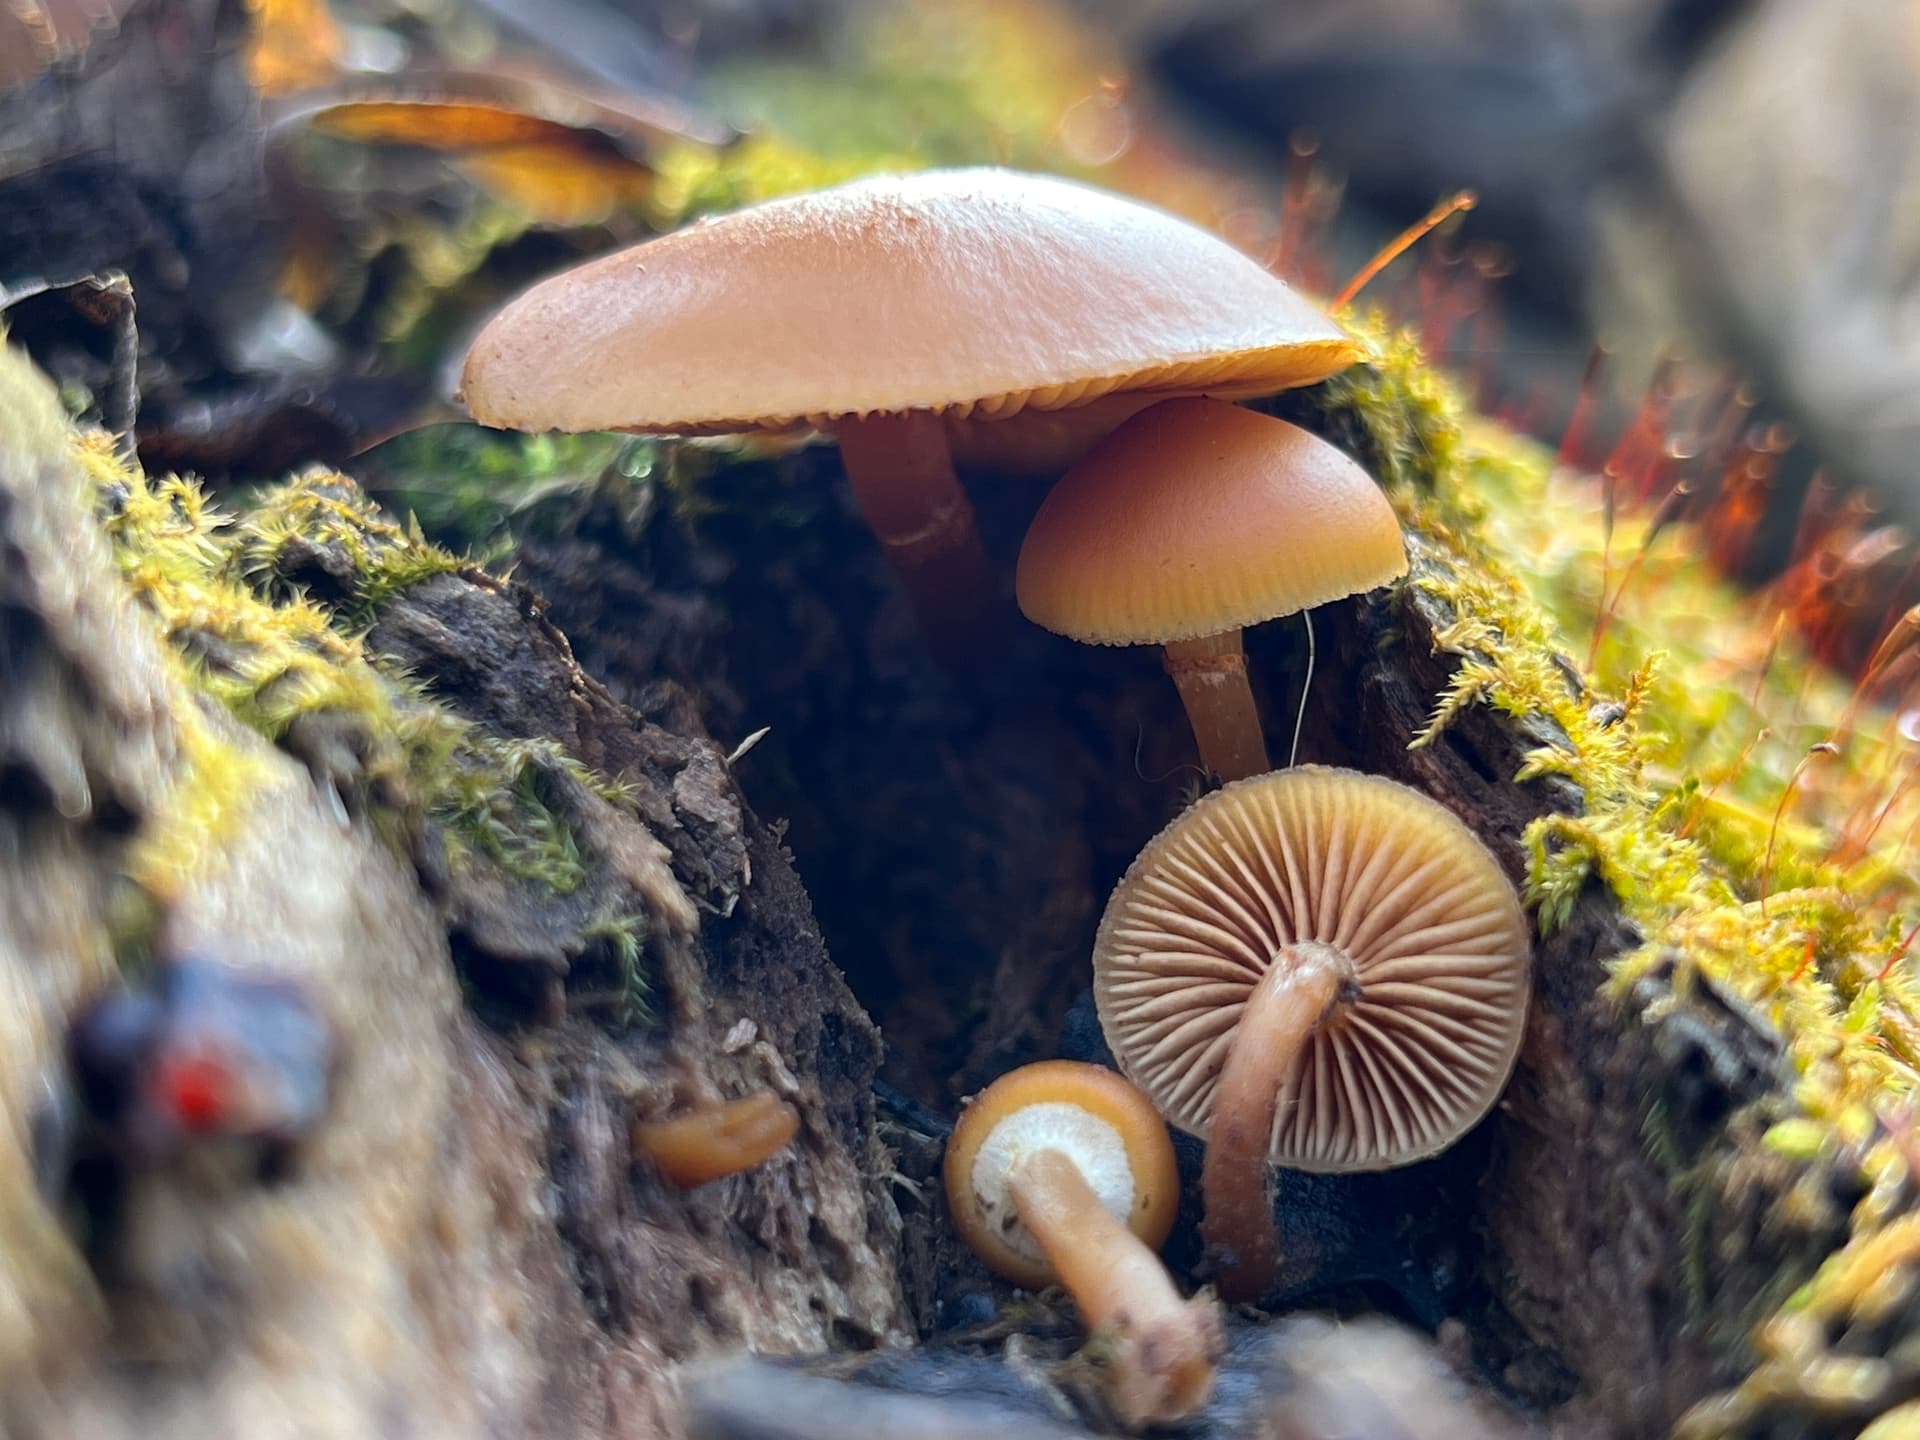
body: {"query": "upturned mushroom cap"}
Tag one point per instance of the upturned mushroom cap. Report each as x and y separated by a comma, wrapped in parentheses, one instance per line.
(1431, 924)
(1197, 517)
(1108, 1128)
(972, 292)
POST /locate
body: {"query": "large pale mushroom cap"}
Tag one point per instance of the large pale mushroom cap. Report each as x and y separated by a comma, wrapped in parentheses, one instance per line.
(1197, 517)
(971, 292)
(1358, 862)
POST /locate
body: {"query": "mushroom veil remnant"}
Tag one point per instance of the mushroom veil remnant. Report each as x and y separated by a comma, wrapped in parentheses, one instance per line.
(1313, 968)
(1189, 522)
(887, 310)
(1064, 1172)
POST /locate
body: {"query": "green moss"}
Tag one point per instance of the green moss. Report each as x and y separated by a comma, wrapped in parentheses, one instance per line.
(316, 532)
(265, 609)
(1396, 414)
(1685, 730)
(624, 939)
(1688, 815)
(478, 489)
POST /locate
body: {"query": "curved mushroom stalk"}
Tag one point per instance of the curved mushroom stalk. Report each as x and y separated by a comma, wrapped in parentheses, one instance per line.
(1063, 1173)
(901, 473)
(1376, 1049)
(1305, 984)
(1165, 1349)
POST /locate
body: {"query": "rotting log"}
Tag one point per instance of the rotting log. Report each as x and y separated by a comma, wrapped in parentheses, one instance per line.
(1599, 1252)
(464, 1246)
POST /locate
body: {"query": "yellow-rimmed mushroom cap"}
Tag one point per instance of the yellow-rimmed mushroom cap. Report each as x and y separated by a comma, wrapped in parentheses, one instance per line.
(970, 292)
(1108, 1129)
(1197, 517)
(1432, 927)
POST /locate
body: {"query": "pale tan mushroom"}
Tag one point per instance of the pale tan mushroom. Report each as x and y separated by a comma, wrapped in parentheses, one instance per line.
(887, 310)
(1313, 968)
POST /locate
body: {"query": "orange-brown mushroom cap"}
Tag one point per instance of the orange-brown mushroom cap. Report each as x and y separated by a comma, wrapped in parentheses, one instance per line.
(1198, 517)
(970, 292)
(1111, 1131)
(714, 1141)
(1391, 880)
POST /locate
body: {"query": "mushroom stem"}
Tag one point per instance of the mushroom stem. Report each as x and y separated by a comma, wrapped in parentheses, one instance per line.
(1211, 673)
(715, 1141)
(903, 481)
(1301, 988)
(1165, 1348)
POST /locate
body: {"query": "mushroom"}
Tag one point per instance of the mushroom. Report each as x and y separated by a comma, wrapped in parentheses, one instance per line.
(886, 309)
(1190, 521)
(714, 1141)
(1063, 1171)
(1314, 968)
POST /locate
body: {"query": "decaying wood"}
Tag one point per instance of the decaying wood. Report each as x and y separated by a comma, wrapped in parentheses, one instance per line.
(466, 1246)
(1604, 1242)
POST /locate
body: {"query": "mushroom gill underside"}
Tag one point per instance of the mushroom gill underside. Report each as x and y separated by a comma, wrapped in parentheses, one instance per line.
(1439, 956)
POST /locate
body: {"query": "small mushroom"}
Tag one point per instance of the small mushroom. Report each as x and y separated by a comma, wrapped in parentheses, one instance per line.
(885, 311)
(1062, 1171)
(1190, 521)
(714, 1141)
(1314, 968)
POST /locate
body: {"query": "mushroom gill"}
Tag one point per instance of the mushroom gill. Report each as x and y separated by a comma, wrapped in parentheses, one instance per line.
(1313, 968)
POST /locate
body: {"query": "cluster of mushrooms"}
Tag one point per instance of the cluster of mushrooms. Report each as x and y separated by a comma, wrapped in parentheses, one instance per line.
(1310, 967)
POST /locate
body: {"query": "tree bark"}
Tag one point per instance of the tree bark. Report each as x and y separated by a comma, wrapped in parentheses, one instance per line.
(465, 1245)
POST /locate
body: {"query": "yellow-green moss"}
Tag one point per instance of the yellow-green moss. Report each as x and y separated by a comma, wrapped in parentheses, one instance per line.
(475, 488)
(1686, 729)
(320, 522)
(230, 598)
(1682, 787)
